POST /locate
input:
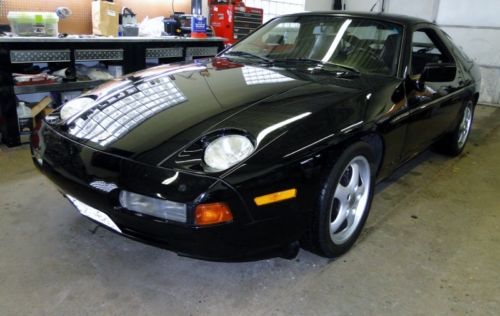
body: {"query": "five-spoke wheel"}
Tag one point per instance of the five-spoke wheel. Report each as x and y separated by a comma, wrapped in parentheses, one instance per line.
(350, 199)
(344, 201)
(465, 126)
(453, 143)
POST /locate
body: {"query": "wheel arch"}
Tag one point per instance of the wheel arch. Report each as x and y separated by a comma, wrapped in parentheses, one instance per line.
(376, 141)
(475, 98)
(371, 137)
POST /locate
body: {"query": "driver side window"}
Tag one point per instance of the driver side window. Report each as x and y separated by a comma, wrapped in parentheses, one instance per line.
(282, 34)
(427, 48)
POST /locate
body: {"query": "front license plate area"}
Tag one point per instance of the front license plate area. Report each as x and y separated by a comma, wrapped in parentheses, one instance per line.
(89, 211)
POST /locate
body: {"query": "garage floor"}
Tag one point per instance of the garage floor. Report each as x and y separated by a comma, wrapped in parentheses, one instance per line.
(431, 247)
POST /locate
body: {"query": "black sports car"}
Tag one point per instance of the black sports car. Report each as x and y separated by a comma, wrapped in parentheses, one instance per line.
(276, 142)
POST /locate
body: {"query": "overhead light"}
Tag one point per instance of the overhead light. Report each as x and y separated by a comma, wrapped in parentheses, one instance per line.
(279, 125)
(171, 179)
(110, 121)
(75, 106)
(256, 75)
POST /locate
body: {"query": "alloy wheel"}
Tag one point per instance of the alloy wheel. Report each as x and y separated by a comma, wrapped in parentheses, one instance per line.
(465, 125)
(350, 200)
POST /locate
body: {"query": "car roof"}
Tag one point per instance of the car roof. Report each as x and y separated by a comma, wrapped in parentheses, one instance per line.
(400, 19)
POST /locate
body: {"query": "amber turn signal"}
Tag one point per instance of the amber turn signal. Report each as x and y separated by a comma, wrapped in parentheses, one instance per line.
(275, 197)
(213, 213)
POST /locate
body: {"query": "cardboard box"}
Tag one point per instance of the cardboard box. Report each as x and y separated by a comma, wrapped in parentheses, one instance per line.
(41, 106)
(104, 18)
(27, 124)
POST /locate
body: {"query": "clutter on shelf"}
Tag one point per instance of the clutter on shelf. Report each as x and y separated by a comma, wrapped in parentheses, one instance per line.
(30, 114)
(128, 23)
(33, 23)
(34, 79)
(104, 18)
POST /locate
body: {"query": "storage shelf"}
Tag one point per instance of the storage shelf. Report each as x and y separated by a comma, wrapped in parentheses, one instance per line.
(202, 51)
(65, 86)
(39, 56)
(98, 54)
(131, 53)
(166, 52)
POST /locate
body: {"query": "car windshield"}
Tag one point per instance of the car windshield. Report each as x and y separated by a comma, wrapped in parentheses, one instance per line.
(364, 45)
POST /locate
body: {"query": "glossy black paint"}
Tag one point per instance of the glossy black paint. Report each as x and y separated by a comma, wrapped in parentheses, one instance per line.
(300, 122)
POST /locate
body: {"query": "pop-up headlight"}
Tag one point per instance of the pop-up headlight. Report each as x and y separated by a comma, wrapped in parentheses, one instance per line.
(227, 151)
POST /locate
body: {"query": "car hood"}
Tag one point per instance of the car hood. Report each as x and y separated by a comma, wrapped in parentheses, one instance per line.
(153, 114)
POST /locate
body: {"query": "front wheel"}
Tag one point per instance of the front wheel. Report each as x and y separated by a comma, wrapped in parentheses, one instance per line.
(344, 201)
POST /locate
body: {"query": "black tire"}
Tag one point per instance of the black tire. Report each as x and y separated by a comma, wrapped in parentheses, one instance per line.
(328, 208)
(453, 143)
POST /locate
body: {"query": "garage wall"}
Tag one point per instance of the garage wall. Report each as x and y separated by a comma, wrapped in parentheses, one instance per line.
(309, 5)
(478, 33)
(318, 5)
(363, 5)
(424, 9)
(81, 20)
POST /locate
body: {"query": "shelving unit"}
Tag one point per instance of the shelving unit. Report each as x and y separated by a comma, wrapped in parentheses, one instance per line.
(57, 87)
(129, 52)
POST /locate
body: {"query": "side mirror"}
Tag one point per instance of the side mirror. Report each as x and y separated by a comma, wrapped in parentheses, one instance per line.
(439, 72)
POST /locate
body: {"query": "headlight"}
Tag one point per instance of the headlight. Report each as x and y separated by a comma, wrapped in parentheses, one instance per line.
(74, 106)
(155, 207)
(227, 151)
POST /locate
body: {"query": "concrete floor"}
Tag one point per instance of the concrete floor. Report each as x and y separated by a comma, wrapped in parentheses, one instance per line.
(431, 247)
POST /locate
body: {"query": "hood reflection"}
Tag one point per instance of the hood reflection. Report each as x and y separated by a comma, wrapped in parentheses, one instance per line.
(256, 75)
(110, 119)
(223, 63)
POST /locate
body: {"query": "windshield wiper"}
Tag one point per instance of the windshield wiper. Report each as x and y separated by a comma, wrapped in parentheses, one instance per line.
(319, 64)
(298, 60)
(247, 54)
(348, 68)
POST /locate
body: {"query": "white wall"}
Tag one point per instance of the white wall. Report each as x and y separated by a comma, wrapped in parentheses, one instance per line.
(466, 12)
(420, 8)
(318, 5)
(362, 5)
(424, 9)
(205, 10)
(478, 33)
(310, 5)
(473, 25)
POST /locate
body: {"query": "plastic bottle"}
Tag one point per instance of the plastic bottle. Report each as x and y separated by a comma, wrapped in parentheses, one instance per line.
(23, 111)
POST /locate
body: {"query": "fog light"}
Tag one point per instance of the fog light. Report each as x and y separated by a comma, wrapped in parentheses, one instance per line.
(154, 207)
(213, 213)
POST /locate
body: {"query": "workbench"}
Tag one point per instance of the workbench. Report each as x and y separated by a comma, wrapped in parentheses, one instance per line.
(130, 52)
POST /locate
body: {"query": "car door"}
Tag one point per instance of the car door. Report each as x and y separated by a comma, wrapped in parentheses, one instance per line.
(431, 94)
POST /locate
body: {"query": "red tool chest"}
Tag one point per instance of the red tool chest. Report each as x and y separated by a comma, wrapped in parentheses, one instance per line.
(234, 21)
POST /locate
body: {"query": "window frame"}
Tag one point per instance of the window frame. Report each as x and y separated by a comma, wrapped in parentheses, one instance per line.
(437, 36)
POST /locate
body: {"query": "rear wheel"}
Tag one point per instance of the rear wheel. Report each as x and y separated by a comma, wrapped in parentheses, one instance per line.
(454, 143)
(344, 202)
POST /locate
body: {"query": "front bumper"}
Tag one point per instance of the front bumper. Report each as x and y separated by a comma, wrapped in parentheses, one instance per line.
(75, 168)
